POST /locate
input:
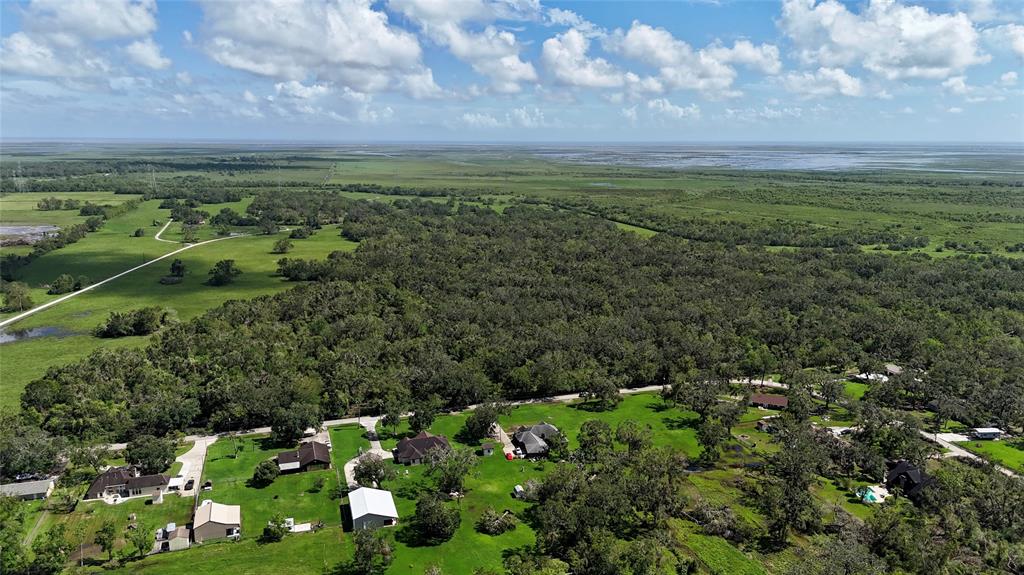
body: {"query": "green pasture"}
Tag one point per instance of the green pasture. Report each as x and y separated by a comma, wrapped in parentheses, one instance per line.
(25, 360)
(1008, 453)
(21, 209)
(89, 516)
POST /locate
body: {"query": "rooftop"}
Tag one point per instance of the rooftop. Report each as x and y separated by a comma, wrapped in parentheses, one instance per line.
(26, 487)
(211, 512)
(369, 501)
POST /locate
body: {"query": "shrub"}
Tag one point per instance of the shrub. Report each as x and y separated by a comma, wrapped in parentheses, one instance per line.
(265, 474)
(275, 529)
(142, 321)
(223, 273)
(63, 284)
(282, 246)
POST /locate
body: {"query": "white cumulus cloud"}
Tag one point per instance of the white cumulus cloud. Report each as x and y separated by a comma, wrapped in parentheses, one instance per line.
(823, 82)
(709, 70)
(888, 38)
(344, 41)
(147, 53)
(491, 51)
(565, 57)
(667, 109)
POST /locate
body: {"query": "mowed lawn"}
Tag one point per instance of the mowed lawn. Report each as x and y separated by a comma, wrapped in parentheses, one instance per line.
(89, 516)
(28, 359)
(230, 465)
(490, 484)
(1008, 453)
(345, 443)
(297, 554)
(669, 426)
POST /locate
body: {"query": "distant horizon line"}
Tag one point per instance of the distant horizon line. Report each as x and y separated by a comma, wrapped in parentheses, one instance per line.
(159, 140)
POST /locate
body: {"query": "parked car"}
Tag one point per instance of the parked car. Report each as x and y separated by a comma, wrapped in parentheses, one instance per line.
(189, 484)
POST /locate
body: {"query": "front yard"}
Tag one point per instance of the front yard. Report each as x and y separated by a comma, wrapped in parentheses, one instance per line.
(230, 464)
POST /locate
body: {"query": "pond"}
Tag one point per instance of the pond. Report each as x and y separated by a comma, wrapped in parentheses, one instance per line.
(25, 234)
(32, 333)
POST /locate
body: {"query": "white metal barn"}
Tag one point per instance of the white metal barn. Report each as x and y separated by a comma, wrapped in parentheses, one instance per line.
(372, 508)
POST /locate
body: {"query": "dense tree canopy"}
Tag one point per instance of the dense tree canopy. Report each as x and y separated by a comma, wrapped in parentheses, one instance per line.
(476, 305)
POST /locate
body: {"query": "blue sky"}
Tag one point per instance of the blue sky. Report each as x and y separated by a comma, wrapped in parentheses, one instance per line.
(513, 70)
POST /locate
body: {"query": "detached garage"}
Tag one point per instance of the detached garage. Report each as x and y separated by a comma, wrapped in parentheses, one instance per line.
(372, 508)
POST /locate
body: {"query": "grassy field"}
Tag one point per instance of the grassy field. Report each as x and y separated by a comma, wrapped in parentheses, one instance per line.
(1008, 453)
(717, 555)
(299, 554)
(230, 464)
(674, 427)
(74, 320)
(89, 516)
(855, 390)
(20, 209)
(345, 443)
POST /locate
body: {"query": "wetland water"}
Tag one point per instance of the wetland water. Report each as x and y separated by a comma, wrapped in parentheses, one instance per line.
(958, 158)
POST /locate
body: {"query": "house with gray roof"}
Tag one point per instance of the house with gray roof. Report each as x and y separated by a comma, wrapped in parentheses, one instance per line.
(533, 441)
(412, 450)
(28, 490)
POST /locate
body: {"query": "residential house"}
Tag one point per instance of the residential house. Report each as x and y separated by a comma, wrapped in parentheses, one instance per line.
(216, 521)
(533, 441)
(309, 456)
(906, 477)
(28, 490)
(411, 451)
(372, 508)
(769, 401)
(126, 481)
(986, 433)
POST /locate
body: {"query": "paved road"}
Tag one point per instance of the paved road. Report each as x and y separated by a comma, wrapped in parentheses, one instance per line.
(162, 230)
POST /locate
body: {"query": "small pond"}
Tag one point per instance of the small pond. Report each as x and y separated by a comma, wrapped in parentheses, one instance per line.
(32, 333)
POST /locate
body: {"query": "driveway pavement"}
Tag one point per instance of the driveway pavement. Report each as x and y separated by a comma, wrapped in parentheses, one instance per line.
(192, 464)
(370, 425)
(953, 450)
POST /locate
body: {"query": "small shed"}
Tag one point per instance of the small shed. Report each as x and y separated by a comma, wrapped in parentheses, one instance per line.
(893, 369)
(487, 449)
(174, 537)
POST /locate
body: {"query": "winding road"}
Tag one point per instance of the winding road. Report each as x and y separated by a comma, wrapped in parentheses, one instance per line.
(63, 298)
